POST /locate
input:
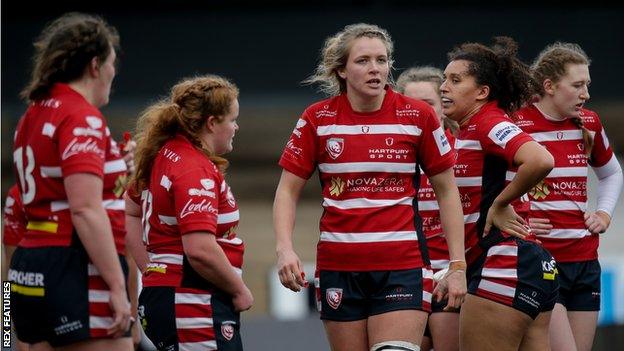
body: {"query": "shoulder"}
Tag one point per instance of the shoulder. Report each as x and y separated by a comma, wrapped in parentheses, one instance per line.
(591, 120)
(323, 108)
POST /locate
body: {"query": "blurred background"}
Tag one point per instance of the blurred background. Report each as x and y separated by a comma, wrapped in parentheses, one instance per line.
(267, 48)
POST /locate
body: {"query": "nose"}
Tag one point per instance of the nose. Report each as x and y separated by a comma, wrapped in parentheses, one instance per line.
(443, 88)
(585, 93)
(374, 66)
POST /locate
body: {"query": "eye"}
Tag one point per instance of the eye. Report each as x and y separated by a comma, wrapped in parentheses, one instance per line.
(361, 60)
(382, 60)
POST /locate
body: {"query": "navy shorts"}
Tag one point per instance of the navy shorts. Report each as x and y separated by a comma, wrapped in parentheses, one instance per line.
(579, 285)
(351, 296)
(58, 296)
(189, 319)
(516, 273)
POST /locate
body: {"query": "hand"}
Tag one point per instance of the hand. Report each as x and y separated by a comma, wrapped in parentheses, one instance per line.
(136, 333)
(289, 270)
(243, 300)
(597, 222)
(507, 220)
(128, 157)
(456, 289)
(120, 306)
(540, 226)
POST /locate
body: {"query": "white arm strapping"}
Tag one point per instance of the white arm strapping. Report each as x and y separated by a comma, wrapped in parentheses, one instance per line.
(610, 180)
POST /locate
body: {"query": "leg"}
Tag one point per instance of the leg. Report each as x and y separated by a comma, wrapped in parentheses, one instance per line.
(481, 328)
(347, 336)
(405, 325)
(121, 344)
(426, 344)
(561, 337)
(536, 338)
(40, 346)
(444, 328)
(583, 324)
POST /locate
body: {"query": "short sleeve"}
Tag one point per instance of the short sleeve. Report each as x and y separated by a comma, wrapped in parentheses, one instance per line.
(502, 138)
(82, 142)
(299, 156)
(435, 152)
(196, 200)
(14, 220)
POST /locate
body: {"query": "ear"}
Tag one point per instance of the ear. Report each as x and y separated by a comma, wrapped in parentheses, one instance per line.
(483, 93)
(211, 122)
(94, 68)
(549, 86)
(342, 73)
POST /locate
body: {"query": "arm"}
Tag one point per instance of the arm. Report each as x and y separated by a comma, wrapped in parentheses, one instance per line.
(609, 188)
(84, 194)
(133, 292)
(451, 216)
(208, 259)
(284, 210)
(134, 230)
(534, 163)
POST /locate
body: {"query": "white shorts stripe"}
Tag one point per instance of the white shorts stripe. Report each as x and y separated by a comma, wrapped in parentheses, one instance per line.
(354, 167)
(99, 296)
(166, 258)
(228, 217)
(467, 144)
(193, 323)
(558, 206)
(210, 345)
(368, 129)
(427, 296)
(496, 288)
(499, 273)
(100, 322)
(368, 237)
(115, 166)
(567, 234)
(503, 250)
(194, 299)
(366, 203)
(469, 181)
(428, 206)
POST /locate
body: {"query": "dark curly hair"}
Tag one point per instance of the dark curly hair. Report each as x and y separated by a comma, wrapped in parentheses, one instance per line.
(509, 79)
(64, 49)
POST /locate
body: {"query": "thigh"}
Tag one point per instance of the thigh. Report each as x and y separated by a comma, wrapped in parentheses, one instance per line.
(583, 325)
(341, 296)
(347, 336)
(481, 328)
(561, 338)
(118, 344)
(444, 327)
(406, 325)
(536, 337)
(584, 294)
(398, 290)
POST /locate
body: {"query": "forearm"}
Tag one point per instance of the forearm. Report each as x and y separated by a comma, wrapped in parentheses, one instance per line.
(94, 231)
(213, 265)
(526, 177)
(134, 242)
(610, 181)
(452, 219)
(133, 285)
(284, 213)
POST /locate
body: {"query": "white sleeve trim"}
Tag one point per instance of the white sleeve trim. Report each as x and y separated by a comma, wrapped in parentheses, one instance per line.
(610, 180)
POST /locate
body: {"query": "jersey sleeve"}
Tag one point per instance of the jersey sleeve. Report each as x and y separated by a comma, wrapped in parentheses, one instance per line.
(82, 143)
(601, 152)
(299, 156)
(14, 220)
(196, 200)
(435, 152)
(501, 137)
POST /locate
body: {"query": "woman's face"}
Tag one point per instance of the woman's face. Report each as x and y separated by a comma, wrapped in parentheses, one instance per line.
(225, 130)
(367, 68)
(571, 91)
(427, 92)
(460, 93)
(105, 79)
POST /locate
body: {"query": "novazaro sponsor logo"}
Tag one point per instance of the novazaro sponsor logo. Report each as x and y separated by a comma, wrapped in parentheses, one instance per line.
(540, 191)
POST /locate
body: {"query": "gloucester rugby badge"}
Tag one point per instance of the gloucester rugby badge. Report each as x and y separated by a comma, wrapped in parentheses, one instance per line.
(333, 297)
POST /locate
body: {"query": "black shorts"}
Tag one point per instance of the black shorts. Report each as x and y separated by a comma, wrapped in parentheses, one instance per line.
(517, 273)
(189, 319)
(351, 296)
(579, 285)
(58, 296)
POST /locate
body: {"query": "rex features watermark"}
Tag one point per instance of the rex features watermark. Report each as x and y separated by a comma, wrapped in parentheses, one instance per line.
(6, 314)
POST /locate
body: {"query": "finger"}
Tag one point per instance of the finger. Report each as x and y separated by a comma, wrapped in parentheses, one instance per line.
(520, 219)
(116, 325)
(534, 220)
(486, 230)
(586, 215)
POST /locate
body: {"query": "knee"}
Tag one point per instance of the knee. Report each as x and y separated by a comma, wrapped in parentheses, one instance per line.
(395, 346)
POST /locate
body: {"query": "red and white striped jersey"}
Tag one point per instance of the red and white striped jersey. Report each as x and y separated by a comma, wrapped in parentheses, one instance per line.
(186, 194)
(562, 196)
(56, 137)
(115, 179)
(13, 221)
(485, 145)
(368, 168)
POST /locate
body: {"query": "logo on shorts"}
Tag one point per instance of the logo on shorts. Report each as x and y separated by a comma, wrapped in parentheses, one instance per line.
(549, 268)
(334, 147)
(227, 330)
(333, 297)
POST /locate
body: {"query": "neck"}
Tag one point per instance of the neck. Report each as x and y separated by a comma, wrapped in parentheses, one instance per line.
(473, 111)
(84, 88)
(548, 109)
(365, 104)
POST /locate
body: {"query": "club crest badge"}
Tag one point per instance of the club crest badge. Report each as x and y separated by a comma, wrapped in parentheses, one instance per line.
(227, 330)
(333, 297)
(335, 147)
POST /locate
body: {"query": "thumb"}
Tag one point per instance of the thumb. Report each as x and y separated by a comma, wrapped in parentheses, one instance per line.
(488, 226)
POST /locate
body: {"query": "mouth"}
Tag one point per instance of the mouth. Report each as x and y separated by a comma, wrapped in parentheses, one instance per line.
(446, 102)
(579, 106)
(374, 83)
